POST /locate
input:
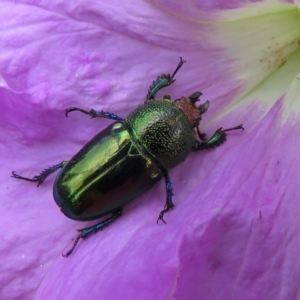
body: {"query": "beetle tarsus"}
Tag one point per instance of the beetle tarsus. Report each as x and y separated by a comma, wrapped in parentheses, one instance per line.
(95, 114)
(166, 209)
(85, 232)
(218, 138)
(68, 253)
(169, 190)
(68, 110)
(163, 81)
(182, 61)
(234, 128)
(43, 175)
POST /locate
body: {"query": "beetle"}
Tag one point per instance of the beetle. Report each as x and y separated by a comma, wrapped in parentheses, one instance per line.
(129, 156)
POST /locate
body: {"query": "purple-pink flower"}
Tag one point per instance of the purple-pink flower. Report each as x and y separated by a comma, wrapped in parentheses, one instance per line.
(234, 232)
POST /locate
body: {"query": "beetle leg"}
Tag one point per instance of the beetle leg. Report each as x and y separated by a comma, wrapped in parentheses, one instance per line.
(43, 175)
(85, 232)
(169, 203)
(163, 81)
(95, 114)
(216, 140)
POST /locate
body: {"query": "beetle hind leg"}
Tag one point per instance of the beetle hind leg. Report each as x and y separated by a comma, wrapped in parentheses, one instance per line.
(85, 232)
(169, 203)
(43, 175)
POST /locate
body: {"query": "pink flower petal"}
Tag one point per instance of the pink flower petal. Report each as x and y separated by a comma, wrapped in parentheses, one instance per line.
(234, 231)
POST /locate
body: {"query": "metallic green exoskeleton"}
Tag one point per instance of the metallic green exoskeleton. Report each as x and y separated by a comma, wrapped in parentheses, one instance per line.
(128, 157)
(100, 177)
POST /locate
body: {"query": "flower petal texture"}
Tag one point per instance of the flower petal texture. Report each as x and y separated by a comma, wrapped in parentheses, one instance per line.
(234, 231)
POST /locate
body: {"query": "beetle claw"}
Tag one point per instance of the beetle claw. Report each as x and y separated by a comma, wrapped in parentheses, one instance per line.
(161, 218)
(233, 128)
(68, 253)
(68, 110)
(168, 206)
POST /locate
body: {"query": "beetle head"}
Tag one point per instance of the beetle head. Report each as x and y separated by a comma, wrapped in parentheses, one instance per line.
(188, 106)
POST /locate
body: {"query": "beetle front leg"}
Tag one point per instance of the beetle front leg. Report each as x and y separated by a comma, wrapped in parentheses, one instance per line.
(43, 175)
(85, 232)
(216, 140)
(163, 81)
(169, 203)
(95, 114)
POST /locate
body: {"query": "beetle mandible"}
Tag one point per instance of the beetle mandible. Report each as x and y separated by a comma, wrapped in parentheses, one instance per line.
(128, 157)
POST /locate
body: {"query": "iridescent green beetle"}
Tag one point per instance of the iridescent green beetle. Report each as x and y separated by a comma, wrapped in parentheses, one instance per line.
(128, 157)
